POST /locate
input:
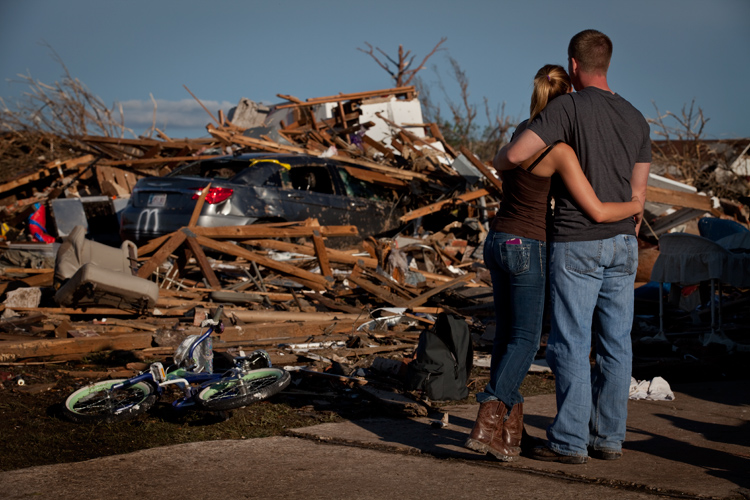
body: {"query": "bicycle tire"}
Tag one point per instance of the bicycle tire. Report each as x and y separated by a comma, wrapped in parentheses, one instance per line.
(94, 402)
(235, 392)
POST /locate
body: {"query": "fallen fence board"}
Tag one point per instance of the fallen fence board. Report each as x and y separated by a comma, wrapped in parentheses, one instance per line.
(436, 207)
(55, 347)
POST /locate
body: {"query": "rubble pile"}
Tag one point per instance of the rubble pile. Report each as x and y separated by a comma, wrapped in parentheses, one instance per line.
(287, 287)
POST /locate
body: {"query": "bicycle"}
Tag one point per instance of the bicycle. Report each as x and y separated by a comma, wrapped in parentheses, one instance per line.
(250, 379)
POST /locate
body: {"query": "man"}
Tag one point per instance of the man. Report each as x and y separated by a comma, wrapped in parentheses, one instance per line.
(592, 266)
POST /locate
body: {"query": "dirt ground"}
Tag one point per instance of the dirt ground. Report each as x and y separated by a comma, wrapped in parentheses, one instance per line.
(35, 432)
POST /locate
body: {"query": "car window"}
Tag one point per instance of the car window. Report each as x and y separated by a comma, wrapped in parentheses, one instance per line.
(221, 170)
(192, 169)
(362, 189)
(311, 178)
(210, 169)
(261, 174)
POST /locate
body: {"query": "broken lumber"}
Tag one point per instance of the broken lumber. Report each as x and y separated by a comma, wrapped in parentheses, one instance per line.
(81, 345)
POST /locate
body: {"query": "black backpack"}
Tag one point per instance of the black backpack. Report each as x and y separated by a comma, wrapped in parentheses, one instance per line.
(443, 360)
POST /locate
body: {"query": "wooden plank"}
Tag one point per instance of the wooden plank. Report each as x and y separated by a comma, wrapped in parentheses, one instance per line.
(198, 206)
(378, 291)
(410, 136)
(281, 316)
(378, 146)
(436, 207)
(333, 255)
(203, 263)
(39, 279)
(147, 162)
(398, 289)
(71, 163)
(153, 244)
(152, 151)
(22, 181)
(143, 142)
(376, 177)
(679, 199)
(131, 180)
(321, 254)
(25, 270)
(275, 147)
(315, 281)
(332, 304)
(177, 238)
(437, 134)
(397, 91)
(277, 331)
(203, 106)
(272, 231)
(55, 347)
(421, 299)
(139, 325)
(9, 325)
(103, 174)
(91, 311)
(496, 183)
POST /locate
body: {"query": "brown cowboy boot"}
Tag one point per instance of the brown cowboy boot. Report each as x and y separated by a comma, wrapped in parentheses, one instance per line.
(509, 442)
(488, 424)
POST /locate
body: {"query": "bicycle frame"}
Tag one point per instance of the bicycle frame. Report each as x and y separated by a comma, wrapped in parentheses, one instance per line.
(248, 379)
(184, 378)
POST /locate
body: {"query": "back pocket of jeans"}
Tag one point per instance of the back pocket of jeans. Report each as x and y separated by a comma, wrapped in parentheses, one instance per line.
(515, 258)
(583, 256)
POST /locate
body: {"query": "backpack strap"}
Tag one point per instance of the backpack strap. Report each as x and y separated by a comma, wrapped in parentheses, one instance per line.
(541, 156)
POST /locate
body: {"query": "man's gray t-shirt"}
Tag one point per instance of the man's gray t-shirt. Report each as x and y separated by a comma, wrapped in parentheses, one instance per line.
(609, 137)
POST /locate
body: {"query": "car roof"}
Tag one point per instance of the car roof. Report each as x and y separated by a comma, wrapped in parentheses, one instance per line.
(289, 158)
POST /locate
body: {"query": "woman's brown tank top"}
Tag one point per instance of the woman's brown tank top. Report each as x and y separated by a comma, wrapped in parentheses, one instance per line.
(524, 208)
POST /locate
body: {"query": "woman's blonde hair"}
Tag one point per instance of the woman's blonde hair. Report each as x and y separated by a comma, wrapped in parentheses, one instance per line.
(550, 81)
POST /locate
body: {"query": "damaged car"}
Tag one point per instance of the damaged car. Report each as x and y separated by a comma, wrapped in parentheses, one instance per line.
(259, 187)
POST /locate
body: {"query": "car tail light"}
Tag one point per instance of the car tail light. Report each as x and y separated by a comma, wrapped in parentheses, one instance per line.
(214, 195)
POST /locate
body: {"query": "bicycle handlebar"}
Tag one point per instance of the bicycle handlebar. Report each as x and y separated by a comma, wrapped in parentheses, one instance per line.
(215, 320)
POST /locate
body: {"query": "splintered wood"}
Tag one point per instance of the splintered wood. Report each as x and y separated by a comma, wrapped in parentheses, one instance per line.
(282, 284)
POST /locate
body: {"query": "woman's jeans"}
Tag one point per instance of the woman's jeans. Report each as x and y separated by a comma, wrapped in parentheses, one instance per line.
(518, 267)
(591, 293)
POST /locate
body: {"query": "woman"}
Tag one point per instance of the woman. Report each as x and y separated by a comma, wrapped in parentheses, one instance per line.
(515, 252)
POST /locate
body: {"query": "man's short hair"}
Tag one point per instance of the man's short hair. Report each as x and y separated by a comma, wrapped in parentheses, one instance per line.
(592, 50)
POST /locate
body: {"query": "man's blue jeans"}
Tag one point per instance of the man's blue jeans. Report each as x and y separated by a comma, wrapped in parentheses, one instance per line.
(518, 267)
(591, 292)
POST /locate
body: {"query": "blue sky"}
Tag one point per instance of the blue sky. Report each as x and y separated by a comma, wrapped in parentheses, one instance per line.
(667, 52)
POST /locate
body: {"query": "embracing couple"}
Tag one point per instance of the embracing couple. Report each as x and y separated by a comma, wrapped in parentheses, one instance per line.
(590, 151)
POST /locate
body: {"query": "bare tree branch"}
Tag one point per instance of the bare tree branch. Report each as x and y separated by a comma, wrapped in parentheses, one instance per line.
(401, 75)
(413, 72)
(66, 108)
(371, 53)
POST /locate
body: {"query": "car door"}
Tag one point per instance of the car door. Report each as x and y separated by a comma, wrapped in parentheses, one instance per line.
(309, 191)
(369, 205)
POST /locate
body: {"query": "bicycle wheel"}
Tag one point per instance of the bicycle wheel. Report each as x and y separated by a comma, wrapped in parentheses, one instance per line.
(96, 403)
(234, 392)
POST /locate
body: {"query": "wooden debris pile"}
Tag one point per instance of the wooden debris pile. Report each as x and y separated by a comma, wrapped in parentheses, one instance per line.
(412, 159)
(284, 287)
(333, 314)
(313, 308)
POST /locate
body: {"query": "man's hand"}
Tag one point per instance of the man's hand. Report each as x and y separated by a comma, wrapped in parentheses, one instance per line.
(638, 220)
